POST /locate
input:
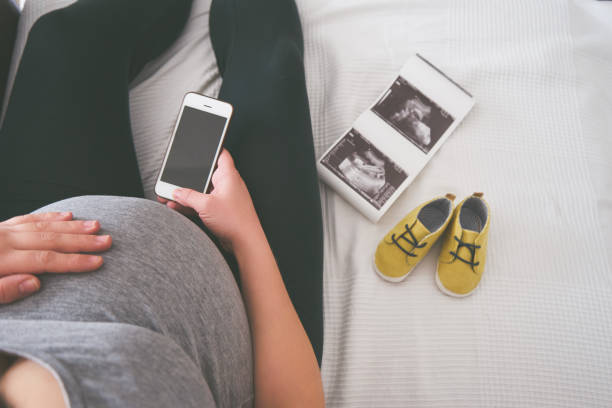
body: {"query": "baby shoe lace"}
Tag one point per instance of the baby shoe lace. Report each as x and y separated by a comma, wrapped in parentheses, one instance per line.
(471, 247)
(412, 241)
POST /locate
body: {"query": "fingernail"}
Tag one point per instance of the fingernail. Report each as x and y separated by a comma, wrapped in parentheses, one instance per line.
(94, 260)
(28, 286)
(103, 238)
(178, 193)
(90, 224)
(65, 214)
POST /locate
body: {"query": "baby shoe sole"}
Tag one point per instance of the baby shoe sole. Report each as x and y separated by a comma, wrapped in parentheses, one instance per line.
(448, 292)
(388, 278)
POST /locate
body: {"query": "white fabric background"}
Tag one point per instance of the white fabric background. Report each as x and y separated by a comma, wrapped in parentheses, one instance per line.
(538, 331)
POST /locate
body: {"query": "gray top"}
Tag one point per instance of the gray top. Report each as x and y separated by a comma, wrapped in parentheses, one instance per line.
(161, 324)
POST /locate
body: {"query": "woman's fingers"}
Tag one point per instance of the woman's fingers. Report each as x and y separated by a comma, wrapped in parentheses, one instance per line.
(180, 208)
(64, 227)
(25, 262)
(225, 160)
(192, 199)
(225, 167)
(186, 200)
(53, 241)
(15, 287)
(46, 242)
(28, 218)
(173, 205)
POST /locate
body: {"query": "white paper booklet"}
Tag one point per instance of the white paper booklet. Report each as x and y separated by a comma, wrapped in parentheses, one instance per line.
(390, 143)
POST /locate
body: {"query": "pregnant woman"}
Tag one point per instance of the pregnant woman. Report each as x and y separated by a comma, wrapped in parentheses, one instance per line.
(126, 302)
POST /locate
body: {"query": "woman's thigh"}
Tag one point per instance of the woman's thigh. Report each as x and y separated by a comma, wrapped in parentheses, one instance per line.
(8, 28)
(67, 128)
(259, 49)
(162, 273)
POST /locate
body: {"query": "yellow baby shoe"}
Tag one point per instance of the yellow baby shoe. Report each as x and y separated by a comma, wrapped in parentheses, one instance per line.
(410, 240)
(464, 249)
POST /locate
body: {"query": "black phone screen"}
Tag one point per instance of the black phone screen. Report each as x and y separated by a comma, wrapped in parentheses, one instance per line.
(193, 149)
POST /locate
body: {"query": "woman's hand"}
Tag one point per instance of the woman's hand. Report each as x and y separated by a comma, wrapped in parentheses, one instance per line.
(49, 242)
(228, 210)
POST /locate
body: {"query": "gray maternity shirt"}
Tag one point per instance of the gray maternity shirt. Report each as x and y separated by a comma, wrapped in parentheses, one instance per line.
(161, 324)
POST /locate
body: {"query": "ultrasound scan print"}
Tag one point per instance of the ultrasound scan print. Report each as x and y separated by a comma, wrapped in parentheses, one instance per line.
(413, 115)
(364, 168)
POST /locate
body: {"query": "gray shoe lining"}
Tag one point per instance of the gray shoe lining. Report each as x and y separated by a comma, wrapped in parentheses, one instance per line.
(473, 214)
(434, 214)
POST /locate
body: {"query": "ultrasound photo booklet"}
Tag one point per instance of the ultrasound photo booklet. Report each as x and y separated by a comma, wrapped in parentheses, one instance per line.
(390, 143)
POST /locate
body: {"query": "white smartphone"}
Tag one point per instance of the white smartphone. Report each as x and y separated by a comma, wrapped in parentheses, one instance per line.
(195, 145)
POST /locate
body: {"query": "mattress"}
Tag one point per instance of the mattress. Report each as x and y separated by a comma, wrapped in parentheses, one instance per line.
(538, 330)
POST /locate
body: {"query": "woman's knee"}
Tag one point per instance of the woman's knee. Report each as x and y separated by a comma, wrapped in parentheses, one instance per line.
(285, 60)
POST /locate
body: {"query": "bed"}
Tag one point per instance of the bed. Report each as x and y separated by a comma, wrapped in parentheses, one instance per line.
(538, 331)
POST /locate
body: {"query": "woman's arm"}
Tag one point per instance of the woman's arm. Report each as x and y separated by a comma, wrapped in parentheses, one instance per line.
(286, 370)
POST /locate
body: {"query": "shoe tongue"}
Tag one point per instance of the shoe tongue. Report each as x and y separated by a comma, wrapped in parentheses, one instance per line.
(469, 236)
(419, 230)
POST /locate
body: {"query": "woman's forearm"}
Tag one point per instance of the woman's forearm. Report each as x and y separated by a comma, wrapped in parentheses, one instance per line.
(286, 370)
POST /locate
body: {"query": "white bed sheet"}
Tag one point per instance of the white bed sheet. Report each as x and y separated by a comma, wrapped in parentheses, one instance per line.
(538, 332)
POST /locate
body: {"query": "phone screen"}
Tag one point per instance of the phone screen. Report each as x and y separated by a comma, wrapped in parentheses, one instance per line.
(193, 149)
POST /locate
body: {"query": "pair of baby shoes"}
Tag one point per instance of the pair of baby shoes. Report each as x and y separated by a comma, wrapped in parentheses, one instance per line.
(464, 247)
